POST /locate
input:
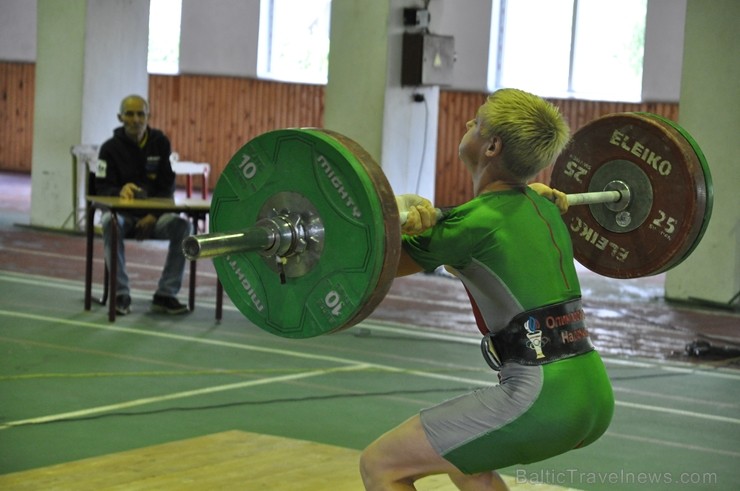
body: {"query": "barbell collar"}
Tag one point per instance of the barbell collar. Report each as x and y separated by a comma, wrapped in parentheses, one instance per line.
(278, 236)
(289, 235)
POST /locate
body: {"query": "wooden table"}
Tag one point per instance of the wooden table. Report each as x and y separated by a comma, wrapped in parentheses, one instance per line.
(195, 209)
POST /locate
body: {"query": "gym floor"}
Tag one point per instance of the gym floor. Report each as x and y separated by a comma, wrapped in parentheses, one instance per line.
(156, 402)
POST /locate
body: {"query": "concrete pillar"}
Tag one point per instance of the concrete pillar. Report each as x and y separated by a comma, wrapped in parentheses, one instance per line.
(358, 64)
(90, 54)
(709, 111)
(364, 98)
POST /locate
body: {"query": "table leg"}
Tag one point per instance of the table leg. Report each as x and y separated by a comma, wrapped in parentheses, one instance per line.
(89, 255)
(191, 291)
(113, 267)
(219, 299)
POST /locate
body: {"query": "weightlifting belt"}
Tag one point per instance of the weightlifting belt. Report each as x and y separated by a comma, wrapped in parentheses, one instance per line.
(539, 336)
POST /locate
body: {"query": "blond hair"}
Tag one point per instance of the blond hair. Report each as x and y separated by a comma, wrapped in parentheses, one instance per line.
(532, 130)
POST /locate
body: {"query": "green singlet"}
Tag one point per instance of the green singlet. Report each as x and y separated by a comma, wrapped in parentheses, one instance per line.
(512, 251)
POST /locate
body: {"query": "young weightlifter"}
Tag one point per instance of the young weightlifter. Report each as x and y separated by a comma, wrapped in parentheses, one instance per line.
(513, 253)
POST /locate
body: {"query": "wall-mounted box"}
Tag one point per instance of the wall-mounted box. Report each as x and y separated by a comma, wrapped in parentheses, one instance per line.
(415, 17)
(427, 59)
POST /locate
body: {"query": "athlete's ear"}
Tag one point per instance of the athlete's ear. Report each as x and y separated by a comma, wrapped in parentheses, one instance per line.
(495, 146)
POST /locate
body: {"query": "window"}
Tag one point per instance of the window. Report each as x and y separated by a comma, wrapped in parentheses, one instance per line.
(590, 49)
(164, 36)
(294, 40)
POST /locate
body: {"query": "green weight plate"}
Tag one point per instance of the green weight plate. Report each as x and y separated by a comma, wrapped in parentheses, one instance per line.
(330, 178)
(640, 150)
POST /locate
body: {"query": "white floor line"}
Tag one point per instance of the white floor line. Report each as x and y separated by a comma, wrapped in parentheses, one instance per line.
(345, 361)
(666, 443)
(672, 366)
(177, 395)
(400, 329)
(78, 286)
(678, 412)
(98, 261)
(396, 328)
(176, 337)
(685, 399)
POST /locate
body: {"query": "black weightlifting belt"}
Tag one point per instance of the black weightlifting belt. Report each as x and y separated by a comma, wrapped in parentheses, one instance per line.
(539, 336)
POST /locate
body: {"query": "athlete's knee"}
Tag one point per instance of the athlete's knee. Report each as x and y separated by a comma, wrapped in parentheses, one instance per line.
(376, 469)
(483, 481)
(370, 467)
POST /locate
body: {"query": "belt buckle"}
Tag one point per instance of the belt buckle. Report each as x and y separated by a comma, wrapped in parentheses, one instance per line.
(489, 353)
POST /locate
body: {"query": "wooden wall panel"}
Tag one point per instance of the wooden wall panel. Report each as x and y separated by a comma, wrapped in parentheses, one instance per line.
(209, 118)
(16, 116)
(453, 184)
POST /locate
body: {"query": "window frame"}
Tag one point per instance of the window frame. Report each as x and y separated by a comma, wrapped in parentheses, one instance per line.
(497, 65)
(266, 65)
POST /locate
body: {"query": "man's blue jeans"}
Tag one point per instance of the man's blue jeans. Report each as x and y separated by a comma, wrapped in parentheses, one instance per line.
(170, 227)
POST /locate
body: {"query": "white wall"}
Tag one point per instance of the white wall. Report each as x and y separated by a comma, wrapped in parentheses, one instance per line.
(18, 30)
(220, 37)
(115, 63)
(663, 57)
(471, 26)
(409, 127)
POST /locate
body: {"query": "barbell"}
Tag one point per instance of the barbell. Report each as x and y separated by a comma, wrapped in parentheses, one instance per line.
(306, 234)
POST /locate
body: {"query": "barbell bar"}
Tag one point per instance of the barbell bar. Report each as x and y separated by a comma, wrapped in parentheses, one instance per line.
(617, 195)
(282, 238)
(306, 234)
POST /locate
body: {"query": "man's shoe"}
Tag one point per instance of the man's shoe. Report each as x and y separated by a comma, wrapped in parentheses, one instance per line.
(168, 305)
(123, 304)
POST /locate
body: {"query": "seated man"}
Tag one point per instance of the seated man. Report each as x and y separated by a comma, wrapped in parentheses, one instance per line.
(135, 163)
